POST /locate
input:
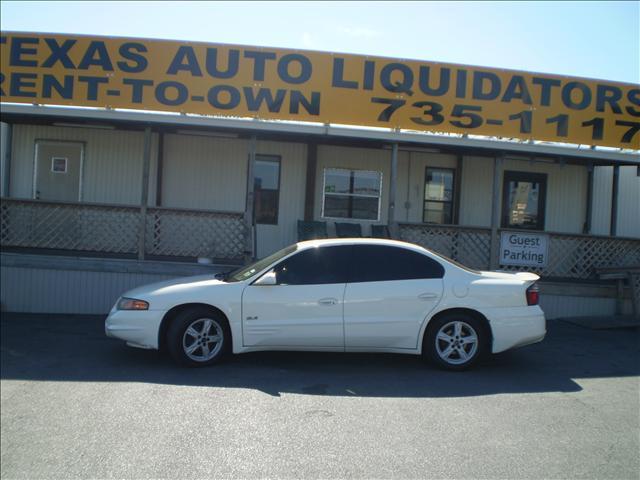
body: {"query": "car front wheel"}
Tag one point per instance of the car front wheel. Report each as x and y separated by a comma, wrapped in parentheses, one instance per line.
(198, 337)
(455, 342)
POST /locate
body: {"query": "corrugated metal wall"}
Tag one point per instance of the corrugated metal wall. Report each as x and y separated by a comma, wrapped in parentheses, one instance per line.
(628, 224)
(204, 172)
(411, 176)
(476, 196)
(112, 169)
(293, 170)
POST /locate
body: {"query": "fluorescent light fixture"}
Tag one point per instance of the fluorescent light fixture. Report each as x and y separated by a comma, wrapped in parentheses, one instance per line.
(206, 133)
(84, 125)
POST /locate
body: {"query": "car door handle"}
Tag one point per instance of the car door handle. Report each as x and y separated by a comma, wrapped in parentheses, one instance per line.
(328, 301)
(428, 296)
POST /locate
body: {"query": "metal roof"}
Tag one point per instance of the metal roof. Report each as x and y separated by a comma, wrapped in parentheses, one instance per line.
(600, 155)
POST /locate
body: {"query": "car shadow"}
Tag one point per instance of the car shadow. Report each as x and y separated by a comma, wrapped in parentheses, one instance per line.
(74, 348)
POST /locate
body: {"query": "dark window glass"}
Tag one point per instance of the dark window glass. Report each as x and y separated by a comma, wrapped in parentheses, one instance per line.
(351, 194)
(523, 200)
(315, 266)
(266, 189)
(375, 263)
(438, 196)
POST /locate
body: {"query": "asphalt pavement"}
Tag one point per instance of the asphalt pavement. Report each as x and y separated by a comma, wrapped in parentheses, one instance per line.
(75, 404)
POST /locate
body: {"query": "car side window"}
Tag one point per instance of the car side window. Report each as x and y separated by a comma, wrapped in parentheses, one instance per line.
(379, 263)
(315, 266)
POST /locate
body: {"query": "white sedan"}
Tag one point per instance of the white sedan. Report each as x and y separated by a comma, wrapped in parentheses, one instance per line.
(337, 295)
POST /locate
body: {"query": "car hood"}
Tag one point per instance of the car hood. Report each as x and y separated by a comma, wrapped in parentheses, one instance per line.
(173, 286)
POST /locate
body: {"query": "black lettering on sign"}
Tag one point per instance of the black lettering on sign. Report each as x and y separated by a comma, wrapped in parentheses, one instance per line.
(567, 95)
(96, 55)
(338, 75)
(546, 85)
(216, 97)
(259, 61)
(51, 83)
(19, 81)
(131, 51)
(403, 85)
(305, 68)
(93, 84)
(368, 74)
(137, 87)
(486, 86)
(634, 97)
(517, 89)
(232, 63)
(59, 53)
(19, 50)
(608, 94)
(185, 61)
(443, 84)
(2, 77)
(311, 106)
(171, 93)
(461, 84)
(264, 95)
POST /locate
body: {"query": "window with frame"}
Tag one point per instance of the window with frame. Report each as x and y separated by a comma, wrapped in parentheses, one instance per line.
(266, 189)
(523, 200)
(438, 195)
(351, 194)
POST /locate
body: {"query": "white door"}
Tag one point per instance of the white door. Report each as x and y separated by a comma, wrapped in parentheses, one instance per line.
(390, 292)
(304, 308)
(58, 169)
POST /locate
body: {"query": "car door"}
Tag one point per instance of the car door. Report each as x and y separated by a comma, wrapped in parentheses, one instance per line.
(390, 292)
(304, 308)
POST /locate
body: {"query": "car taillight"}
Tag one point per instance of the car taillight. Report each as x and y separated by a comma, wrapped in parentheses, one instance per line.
(533, 294)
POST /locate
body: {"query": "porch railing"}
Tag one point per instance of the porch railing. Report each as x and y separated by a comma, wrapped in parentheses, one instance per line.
(116, 229)
(570, 256)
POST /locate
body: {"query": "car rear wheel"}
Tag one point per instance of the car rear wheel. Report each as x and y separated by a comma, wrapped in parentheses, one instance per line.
(198, 337)
(455, 342)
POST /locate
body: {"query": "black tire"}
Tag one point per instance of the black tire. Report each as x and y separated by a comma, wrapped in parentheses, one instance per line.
(206, 351)
(455, 353)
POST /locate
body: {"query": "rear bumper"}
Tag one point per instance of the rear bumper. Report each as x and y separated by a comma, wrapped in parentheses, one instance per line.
(516, 327)
(137, 328)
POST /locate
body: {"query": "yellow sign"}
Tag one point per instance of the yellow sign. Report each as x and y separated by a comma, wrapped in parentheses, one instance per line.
(269, 83)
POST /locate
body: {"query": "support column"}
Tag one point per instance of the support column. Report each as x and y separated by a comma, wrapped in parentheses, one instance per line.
(249, 218)
(160, 169)
(5, 157)
(310, 189)
(457, 189)
(498, 166)
(589, 214)
(144, 197)
(393, 180)
(614, 200)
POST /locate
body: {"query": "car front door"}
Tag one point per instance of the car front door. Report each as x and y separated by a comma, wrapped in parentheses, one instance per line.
(304, 307)
(391, 291)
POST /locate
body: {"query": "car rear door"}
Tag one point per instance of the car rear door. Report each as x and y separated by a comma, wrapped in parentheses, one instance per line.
(390, 292)
(305, 307)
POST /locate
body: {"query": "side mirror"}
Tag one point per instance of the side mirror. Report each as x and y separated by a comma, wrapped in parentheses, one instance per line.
(268, 278)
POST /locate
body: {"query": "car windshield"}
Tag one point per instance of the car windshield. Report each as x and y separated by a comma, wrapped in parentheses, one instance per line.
(244, 273)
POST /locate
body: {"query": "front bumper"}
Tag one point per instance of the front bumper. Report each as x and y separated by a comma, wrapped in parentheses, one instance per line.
(139, 328)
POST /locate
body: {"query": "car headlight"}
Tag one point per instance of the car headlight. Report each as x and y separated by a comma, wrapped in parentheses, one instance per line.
(132, 304)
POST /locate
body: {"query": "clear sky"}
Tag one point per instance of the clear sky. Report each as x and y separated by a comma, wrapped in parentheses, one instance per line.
(587, 39)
